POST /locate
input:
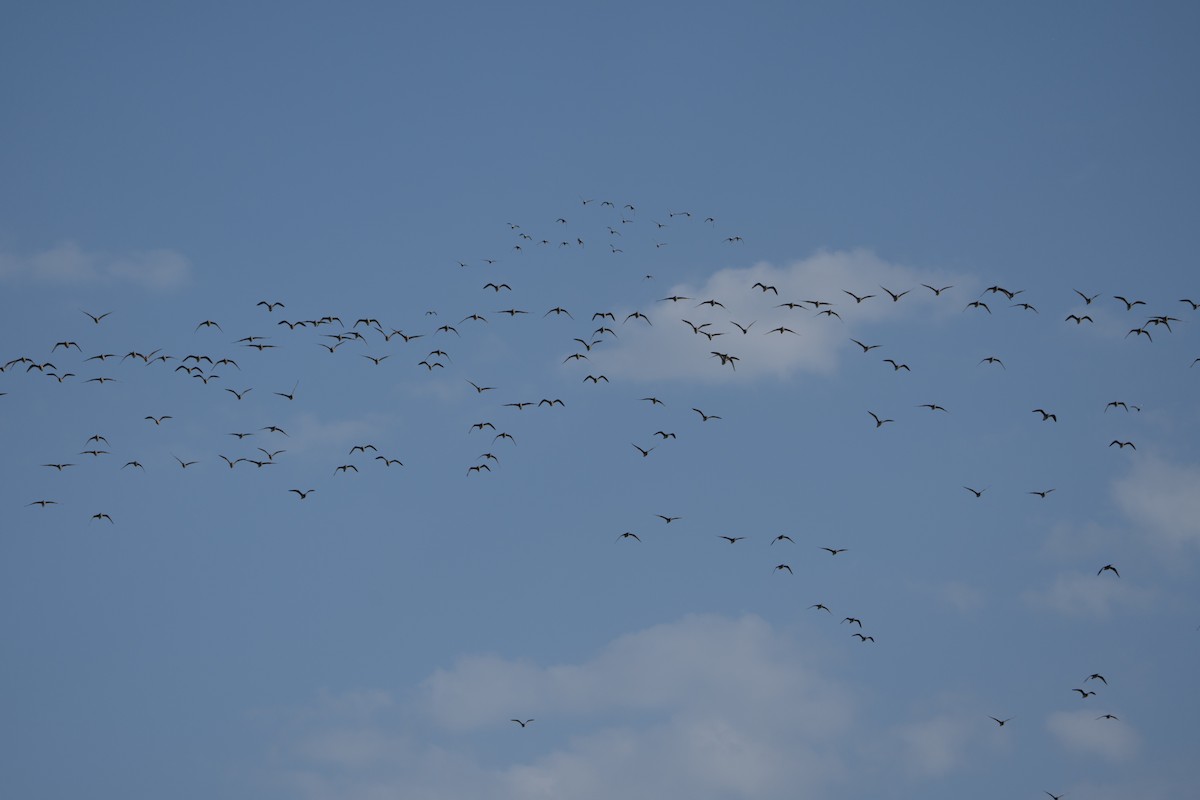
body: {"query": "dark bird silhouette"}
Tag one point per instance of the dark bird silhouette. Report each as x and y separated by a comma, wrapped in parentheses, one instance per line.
(1046, 415)
(1087, 300)
(665, 435)
(628, 535)
(858, 298)
(1078, 319)
(664, 517)
(896, 367)
(239, 395)
(992, 360)
(182, 463)
(274, 429)
(644, 452)
(783, 537)
(760, 285)
(1122, 445)
(863, 638)
(102, 516)
(1107, 716)
(879, 423)
(895, 297)
(270, 306)
(208, 323)
(731, 539)
(866, 348)
(1096, 676)
(302, 495)
(1116, 404)
(1042, 494)
(596, 379)
(96, 317)
(781, 567)
(1129, 304)
(1000, 722)
(59, 467)
(159, 420)
(654, 401)
(705, 417)
(1083, 693)
(821, 607)
(345, 468)
(852, 621)
(978, 304)
(834, 551)
(976, 492)
(937, 292)
(522, 723)
(1108, 568)
(932, 407)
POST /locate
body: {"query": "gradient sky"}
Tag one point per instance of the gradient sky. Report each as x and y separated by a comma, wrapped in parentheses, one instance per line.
(167, 165)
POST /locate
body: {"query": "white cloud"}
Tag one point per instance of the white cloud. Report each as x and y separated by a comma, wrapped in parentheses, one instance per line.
(1080, 594)
(706, 707)
(68, 264)
(1081, 732)
(1163, 500)
(668, 348)
(935, 746)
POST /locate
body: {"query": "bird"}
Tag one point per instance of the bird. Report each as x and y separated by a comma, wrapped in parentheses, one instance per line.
(1078, 319)
(866, 348)
(665, 435)
(1086, 299)
(241, 394)
(629, 535)
(783, 537)
(159, 420)
(937, 292)
(1053, 796)
(895, 296)
(1043, 493)
(270, 306)
(303, 495)
(1108, 716)
(978, 304)
(1129, 304)
(852, 621)
(879, 423)
(858, 298)
(932, 407)
(667, 519)
(976, 492)
(992, 360)
(897, 367)
(731, 539)
(1000, 722)
(522, 723)
(1046, 415)
(644, 452)
(705, 417)
(1083, 693)
(1122, 445)
(345, 468)
(182, 463)
(103, 516)
(834, 551)
(1108, 568)
(1095, 676)
(760, 285)
(863, 638)
(781, 567)
(95, 317)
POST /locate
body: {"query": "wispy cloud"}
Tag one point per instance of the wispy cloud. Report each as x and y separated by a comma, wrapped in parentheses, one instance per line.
(934, 747)
(1162, 500)
(1081, 732)
(706, 707)
(1080, 594)
(668, 347)
(67, 264)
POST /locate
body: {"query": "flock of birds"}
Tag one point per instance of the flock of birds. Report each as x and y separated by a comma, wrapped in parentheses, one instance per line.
(215, 360)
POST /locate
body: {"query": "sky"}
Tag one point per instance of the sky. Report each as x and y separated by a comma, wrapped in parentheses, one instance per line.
(365, 611)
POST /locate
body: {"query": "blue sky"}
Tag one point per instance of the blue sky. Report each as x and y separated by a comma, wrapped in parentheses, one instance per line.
(170, 165)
